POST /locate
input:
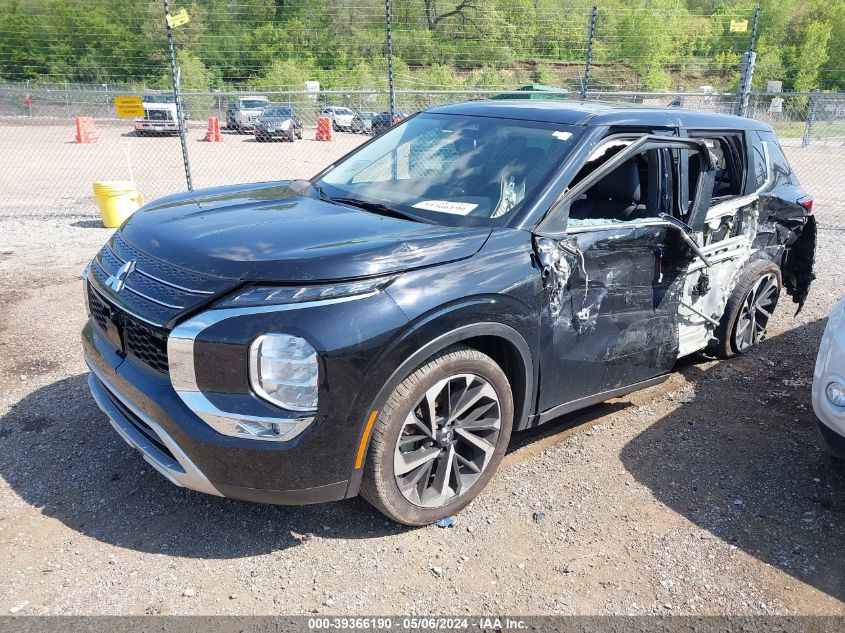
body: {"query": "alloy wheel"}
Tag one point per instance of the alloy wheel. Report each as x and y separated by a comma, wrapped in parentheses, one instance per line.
(756, 312)
(447, 440)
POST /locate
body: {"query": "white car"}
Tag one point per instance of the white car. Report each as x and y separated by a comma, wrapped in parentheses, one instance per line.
(243, 112)
(829, 383)
(341, 117)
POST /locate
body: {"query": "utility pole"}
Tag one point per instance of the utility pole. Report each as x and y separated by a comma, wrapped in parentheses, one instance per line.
(390, 84)
(585, 82)
(177, 96)
(746, 75)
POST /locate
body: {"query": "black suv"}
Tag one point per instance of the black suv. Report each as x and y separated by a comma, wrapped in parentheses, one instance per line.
(478, 269)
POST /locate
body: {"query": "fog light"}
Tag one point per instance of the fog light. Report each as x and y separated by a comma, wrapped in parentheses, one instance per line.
(836, 393)
(283, 371)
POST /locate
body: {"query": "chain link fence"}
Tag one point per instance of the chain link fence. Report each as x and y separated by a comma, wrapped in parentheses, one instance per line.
(64, 62)
(42, 160)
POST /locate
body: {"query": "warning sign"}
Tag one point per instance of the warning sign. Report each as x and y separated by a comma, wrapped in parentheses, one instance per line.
(177, 19)
(739, 26)
(128, 107)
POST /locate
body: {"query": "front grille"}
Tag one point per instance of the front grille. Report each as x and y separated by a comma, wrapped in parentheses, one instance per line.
(137, 315)
(99, 311)
(158, 115)
(146, 344)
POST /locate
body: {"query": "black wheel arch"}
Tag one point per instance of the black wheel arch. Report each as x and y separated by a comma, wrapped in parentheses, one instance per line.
(503, 343)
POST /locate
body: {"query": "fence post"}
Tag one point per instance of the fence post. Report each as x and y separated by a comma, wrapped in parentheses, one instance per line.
(585, 82)
(390, 85)
(746, 74)
(177, 96)
(811, 119)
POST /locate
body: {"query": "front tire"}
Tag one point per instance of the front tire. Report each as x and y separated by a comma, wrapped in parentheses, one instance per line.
(439, 438)
(749, 308)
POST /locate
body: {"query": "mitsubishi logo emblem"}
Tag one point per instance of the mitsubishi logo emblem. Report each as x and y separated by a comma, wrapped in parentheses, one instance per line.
(118, 280)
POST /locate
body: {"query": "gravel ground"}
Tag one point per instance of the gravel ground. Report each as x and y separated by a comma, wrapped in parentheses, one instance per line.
(705, 495)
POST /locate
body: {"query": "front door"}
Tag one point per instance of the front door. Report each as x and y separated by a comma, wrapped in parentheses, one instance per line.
(614, 278)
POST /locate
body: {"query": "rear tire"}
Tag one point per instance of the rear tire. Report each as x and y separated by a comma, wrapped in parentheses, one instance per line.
(747, 312)
(439, 438)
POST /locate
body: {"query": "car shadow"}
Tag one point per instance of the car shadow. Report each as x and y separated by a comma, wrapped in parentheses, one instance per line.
(742, 460)
(59, 454)
(88, 224)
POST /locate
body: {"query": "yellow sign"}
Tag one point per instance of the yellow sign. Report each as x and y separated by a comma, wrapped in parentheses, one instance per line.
(128, 107)
(739, 26)
(177, 19)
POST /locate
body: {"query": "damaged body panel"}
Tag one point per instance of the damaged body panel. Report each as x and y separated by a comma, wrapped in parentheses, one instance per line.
(639, 272)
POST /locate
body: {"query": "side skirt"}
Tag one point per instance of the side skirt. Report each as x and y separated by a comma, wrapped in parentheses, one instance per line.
(568, 407)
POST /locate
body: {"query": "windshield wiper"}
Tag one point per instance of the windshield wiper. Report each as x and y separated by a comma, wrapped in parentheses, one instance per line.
(376, 207)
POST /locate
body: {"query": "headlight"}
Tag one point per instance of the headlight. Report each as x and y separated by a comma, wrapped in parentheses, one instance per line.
(285, 124)
(836, 393)
(278, 295)
(283, 371)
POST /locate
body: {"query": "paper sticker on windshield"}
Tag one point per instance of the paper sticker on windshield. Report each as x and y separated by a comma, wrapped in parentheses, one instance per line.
(563, 136)
(446, 206)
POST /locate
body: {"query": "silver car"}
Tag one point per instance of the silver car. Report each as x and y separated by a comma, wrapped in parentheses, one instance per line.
(341, 117)
(829, 383)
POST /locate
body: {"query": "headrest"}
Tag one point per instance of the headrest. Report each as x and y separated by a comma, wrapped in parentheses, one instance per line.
(620, 185)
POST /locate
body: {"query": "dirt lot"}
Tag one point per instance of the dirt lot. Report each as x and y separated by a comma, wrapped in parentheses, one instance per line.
(707, 494)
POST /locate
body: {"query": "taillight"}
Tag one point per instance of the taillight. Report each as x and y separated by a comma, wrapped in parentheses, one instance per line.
(807, 203)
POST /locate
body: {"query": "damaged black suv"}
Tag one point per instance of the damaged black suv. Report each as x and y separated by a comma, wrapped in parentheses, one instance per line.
(480, 268)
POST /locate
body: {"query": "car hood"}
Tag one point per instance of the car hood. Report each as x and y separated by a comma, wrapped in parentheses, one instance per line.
(268, 232)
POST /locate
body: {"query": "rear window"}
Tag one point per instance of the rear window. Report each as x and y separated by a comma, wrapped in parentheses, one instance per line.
(759, 163)
(781, 172)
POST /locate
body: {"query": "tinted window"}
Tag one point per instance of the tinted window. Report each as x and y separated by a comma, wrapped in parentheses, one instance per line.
(759, 166)
(781, 171)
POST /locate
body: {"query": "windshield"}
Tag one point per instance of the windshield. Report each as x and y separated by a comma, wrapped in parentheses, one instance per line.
(253, 104)
(451, 169)
(276, 111)
(157, 99)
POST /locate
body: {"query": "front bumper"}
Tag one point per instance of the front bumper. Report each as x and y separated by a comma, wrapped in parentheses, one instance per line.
(276, 132)
(167, 414)
(148, 414)
(830, 366)
(156, 126)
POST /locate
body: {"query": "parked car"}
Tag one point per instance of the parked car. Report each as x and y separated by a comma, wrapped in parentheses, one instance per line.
(159, 116)
(244, 111)
(383, 121)
(829, 383)
(277, 121)
(362, 122)
(480, 268)
(341, 117)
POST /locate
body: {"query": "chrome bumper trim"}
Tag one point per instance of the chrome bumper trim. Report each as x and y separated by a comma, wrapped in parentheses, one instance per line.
(180, 471)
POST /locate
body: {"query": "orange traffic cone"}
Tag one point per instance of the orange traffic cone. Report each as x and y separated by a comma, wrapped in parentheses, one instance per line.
(85, 131)
(213, 133)
(324, 128)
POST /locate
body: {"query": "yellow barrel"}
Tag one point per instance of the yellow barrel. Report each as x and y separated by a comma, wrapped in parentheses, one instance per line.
(117, 199)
